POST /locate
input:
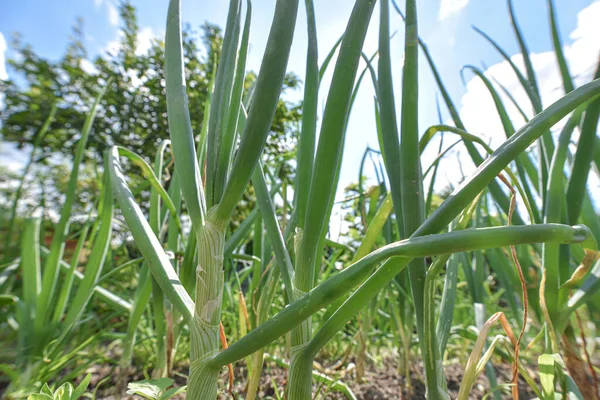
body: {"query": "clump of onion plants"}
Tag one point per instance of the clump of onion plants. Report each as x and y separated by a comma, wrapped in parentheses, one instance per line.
(214, 171)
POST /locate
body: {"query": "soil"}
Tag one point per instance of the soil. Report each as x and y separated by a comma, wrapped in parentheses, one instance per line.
(381, 383)
(386, 382)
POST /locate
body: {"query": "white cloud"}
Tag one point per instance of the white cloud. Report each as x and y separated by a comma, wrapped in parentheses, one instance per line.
(145, 37)
(136, 81)
(12, 157)
(587, 23)
(477, 109)
(144, 40)
(89, 67)
(111, 9)
(449, 7)
(113, 14)
(3, 73)
(3, 48)
(113, 46)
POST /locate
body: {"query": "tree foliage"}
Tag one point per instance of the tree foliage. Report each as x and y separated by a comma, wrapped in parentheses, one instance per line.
(133, 111)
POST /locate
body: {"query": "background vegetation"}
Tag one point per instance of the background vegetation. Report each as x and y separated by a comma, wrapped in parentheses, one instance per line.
(167, 239)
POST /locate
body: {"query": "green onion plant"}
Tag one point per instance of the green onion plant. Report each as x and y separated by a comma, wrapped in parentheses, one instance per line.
(526, 206)
(230, 153)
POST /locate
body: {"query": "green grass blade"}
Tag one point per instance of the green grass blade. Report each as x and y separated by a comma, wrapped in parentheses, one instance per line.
(558, 49)
(512, 100)
(220, 99)
(533, 96)
(174, 235)
(525, 167)
(432, 352)
(497, 192)
(65, 290)
(325, 174)
(467, 137)
(509, 281)
(387, 112)
(435, 163)
(266, 95)
(149, 174)
(154, 217)
(187, 272)
(151, 249)
(361, 179)
(180, 127)
(375, 228)
(555, 199)
(495, 188)
(430, 245)
(30, 267)
(545, 146)
(524, 50)
(227, 147)
(372, 235)
(444, 323)
(361, 199)
(17, 196)
(411, 180)
(221, 138)
(359, 299)
(96, 259)
(507, 152)
(331, 140)
(413, 201)
(269, 218)
(324, 180)
(51, 267)
(201, 148)
(306, 141)
(141, 299)
(589, 287)
(507, 124)
(160, 329)
(103, 294)
(328, 58)
(239, 235)
(584, 155)
(122, 267)
(155, 220)
(188, 266)
(588, 214)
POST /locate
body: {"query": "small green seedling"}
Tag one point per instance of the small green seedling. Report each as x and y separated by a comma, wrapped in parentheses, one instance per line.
(66, 391)
(155, 389)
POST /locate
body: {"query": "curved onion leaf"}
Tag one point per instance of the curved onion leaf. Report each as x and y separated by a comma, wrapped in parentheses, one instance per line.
(151, 249)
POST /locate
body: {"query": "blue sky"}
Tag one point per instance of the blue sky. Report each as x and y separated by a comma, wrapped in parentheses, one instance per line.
(445, 25)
